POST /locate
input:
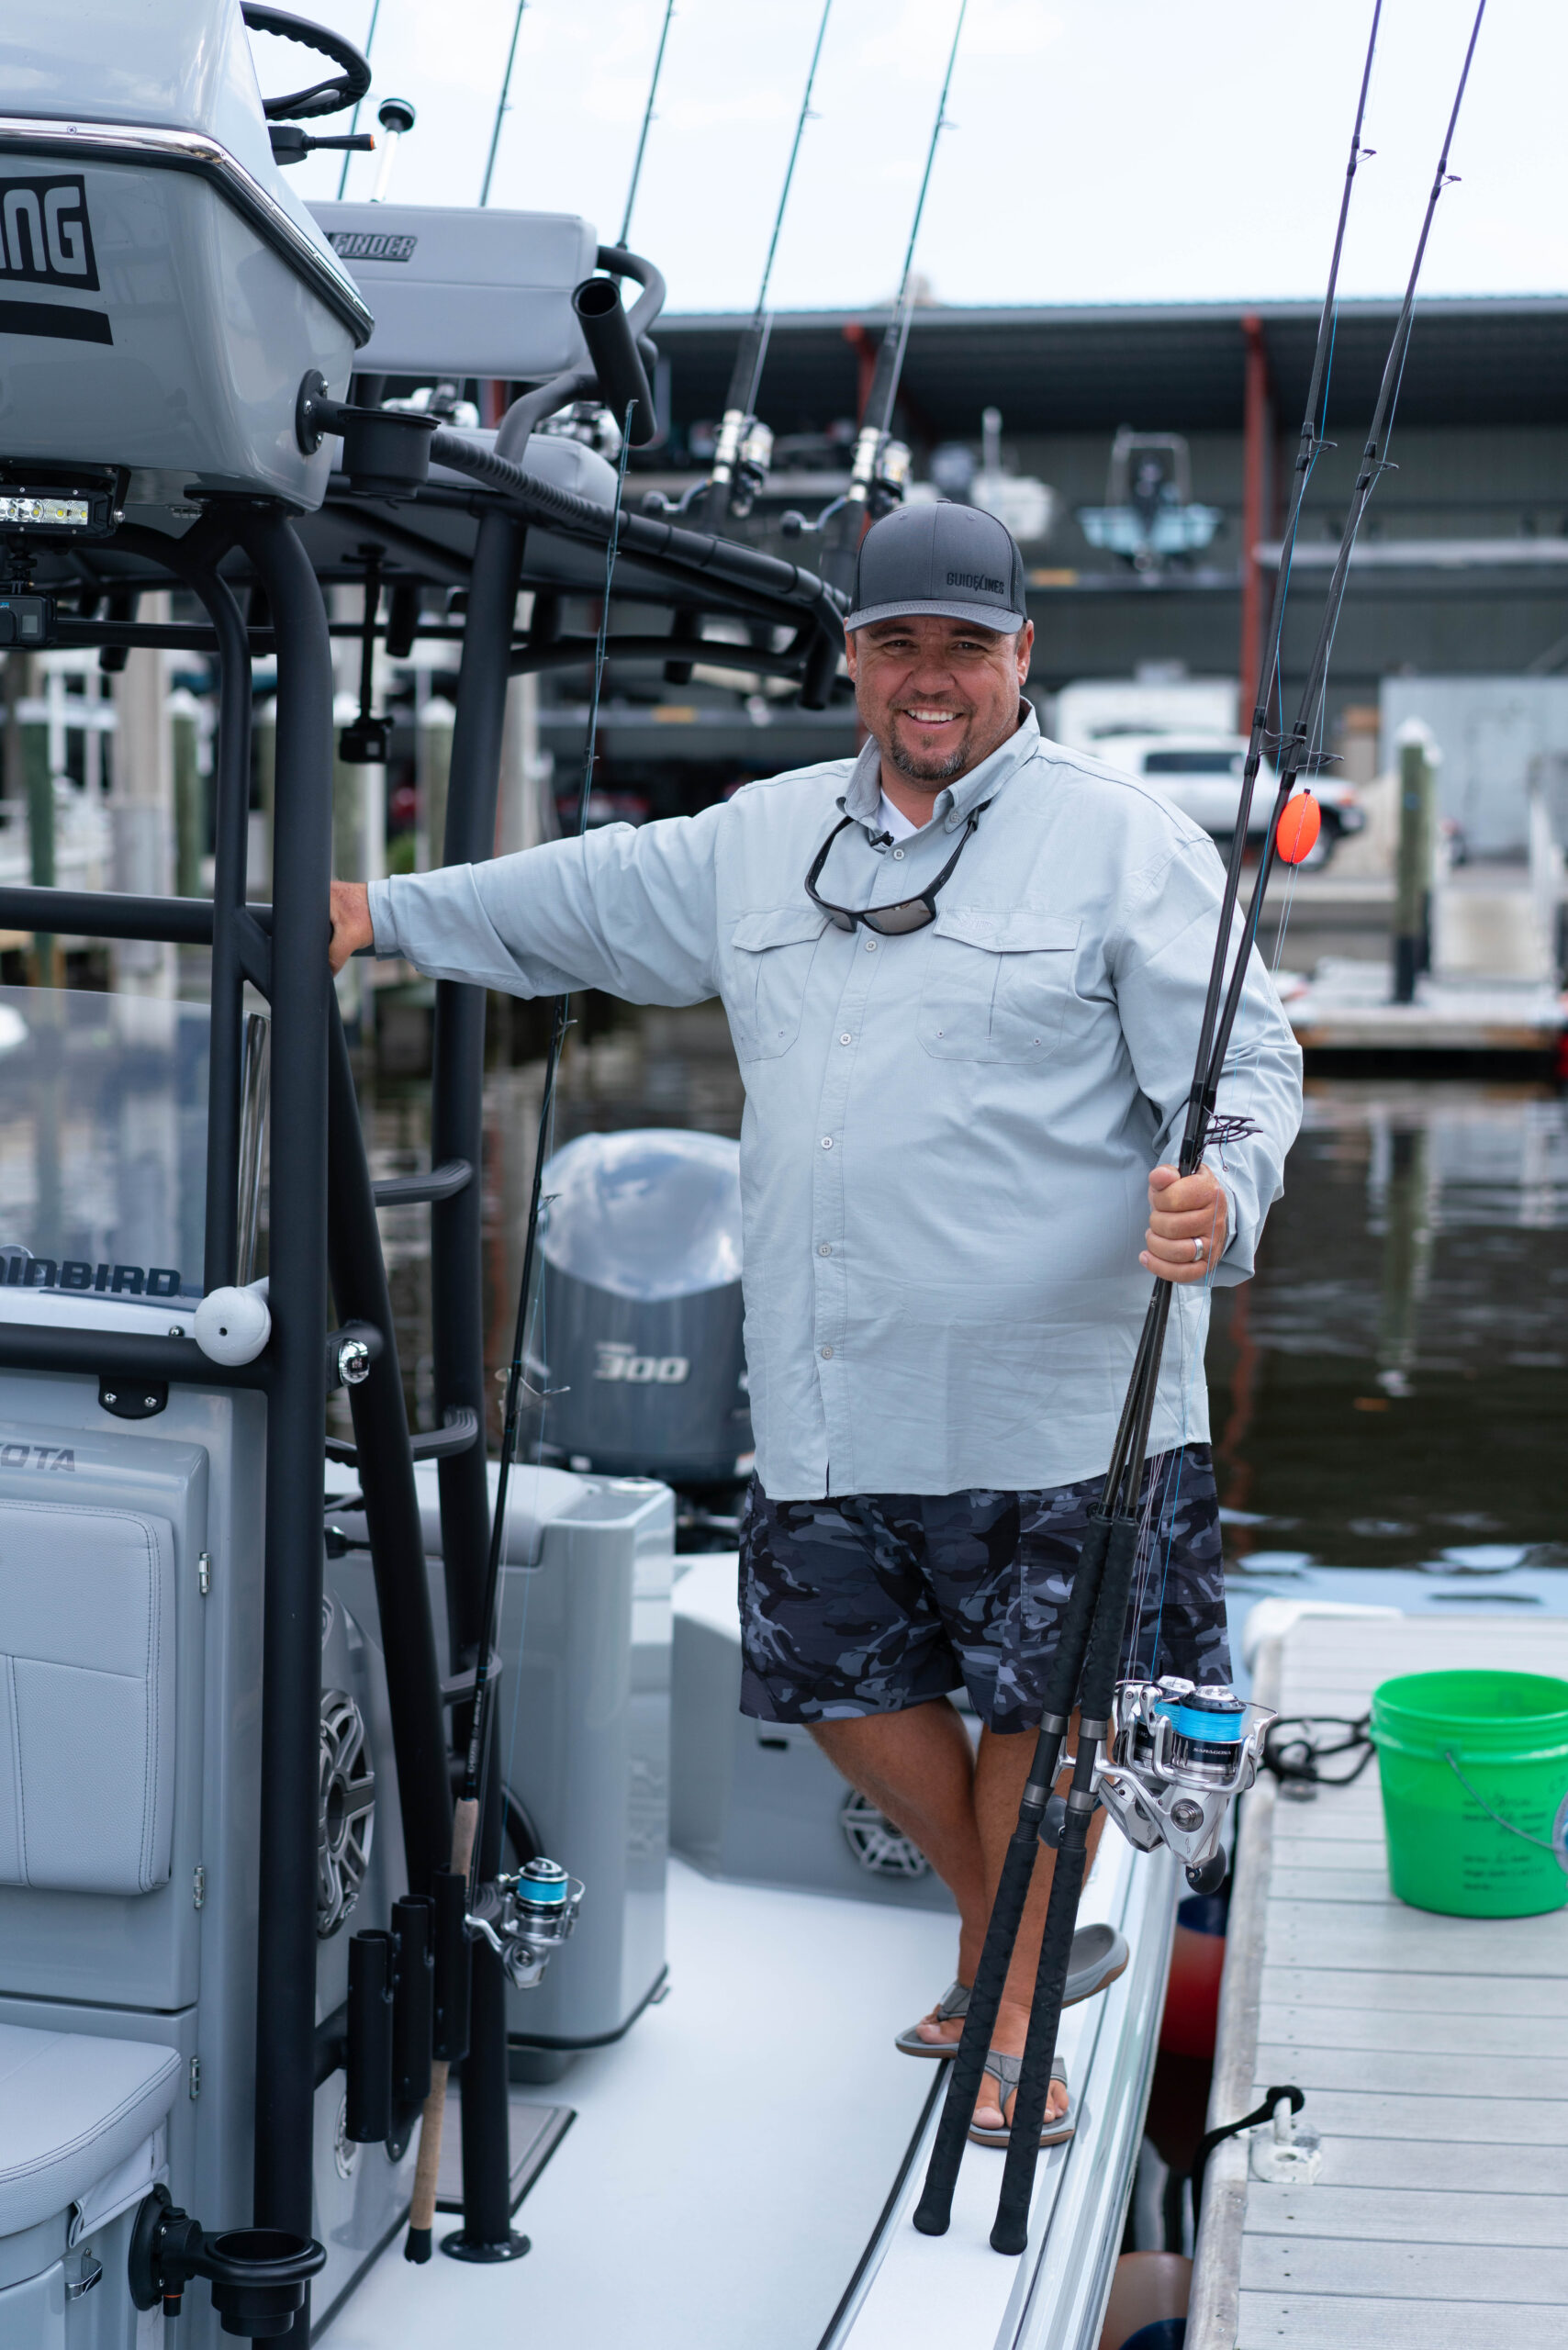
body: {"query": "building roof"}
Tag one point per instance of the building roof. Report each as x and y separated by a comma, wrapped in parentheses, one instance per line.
(1478, 362)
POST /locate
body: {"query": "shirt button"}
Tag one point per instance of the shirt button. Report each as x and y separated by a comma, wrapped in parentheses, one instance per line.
(827, 1354)
(827, 1141)
(846, 1039)
(824, 1248)
(871, 946)
(898, 854)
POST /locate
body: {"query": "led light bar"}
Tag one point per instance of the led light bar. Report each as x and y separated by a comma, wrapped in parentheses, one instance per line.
(56, 509)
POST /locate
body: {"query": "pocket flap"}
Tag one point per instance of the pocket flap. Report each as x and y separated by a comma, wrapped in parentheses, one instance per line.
(1008, 930)
(777, 926)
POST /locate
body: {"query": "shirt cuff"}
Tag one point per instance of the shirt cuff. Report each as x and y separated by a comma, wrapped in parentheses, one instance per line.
(381, 921)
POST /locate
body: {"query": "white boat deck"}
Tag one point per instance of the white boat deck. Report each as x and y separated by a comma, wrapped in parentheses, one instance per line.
(1433, 2052)
(738, 2170)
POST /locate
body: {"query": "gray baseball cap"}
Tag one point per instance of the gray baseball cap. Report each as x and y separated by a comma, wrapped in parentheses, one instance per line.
(957, 562)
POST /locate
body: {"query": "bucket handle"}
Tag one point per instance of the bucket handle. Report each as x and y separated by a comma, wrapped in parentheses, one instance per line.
(1544, 1843)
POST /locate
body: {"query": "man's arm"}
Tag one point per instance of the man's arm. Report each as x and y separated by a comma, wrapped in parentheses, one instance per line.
(632, 911)
(1160, 960)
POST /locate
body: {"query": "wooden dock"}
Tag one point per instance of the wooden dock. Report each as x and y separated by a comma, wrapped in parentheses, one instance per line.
(1433, 2052)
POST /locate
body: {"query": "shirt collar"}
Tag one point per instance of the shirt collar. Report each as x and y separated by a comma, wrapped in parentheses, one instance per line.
(863, 795)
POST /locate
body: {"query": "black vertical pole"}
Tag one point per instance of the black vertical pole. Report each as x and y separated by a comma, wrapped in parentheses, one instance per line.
(386, 1478)
(291, 1651)
(458, 1331)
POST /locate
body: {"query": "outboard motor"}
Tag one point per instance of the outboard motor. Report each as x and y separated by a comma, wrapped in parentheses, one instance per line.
(641, 1329)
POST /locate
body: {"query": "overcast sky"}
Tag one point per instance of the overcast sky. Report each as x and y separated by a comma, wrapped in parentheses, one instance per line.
(1099, 151)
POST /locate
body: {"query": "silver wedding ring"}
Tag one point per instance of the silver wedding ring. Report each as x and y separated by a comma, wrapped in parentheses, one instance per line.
(1198, 1251)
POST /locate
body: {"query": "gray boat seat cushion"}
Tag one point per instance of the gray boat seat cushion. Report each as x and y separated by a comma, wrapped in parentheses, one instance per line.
(71, 2108)
(86, 1698)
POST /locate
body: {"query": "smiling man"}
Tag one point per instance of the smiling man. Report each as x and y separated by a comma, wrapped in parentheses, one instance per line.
(964, 974)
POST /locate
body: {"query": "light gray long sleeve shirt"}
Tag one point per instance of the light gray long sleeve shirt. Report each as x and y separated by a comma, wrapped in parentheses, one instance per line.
(947, 1136)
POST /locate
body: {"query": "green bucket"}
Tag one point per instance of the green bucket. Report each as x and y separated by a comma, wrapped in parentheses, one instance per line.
(1474, 1771)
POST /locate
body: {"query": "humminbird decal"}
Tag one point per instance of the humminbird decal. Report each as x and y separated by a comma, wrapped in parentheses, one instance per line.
(977, 579)
(617, 1361)
(37, 1456)
(47, 241)
(75, 1272)
(370, 244)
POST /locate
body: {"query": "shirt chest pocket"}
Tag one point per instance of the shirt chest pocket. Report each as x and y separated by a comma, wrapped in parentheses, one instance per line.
(998, 984)
(770, 962)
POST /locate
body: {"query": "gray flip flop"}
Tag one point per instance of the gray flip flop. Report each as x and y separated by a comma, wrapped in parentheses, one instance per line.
(1005, 2071)
(1099, 1954)
(954, 2002)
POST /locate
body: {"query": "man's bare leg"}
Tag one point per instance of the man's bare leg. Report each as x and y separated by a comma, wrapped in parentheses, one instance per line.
(916, 1767)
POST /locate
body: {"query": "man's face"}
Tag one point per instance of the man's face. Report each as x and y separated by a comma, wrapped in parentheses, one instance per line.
(939, 695)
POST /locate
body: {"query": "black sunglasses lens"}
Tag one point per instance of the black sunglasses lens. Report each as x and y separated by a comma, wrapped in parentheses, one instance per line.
(896, 922)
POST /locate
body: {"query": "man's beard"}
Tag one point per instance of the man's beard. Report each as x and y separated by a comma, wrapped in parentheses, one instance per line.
(920, 770)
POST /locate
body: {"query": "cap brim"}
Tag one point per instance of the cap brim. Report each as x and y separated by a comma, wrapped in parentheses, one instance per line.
(978, 615)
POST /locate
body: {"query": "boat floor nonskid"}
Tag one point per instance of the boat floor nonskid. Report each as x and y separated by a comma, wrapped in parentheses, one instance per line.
(731, 2157)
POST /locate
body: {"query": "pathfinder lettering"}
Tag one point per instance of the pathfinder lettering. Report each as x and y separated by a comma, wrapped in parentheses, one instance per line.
(371, 245)
(44, 235)
(37, 1456)
(75, 1272)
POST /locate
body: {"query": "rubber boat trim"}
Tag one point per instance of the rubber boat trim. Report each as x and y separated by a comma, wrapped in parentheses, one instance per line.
(147, 144)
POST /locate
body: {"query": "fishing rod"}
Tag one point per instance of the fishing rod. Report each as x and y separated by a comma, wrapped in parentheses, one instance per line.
(1177, 1756)
(880, 468)
(745, 447)
(354, 119)
(525, 1916)
(502, 105)
(647, 119)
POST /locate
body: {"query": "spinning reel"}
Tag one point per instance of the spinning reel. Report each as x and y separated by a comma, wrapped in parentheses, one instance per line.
(1178, 1757)
(526, 1918)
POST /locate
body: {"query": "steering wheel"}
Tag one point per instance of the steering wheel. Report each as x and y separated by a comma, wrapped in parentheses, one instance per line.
(343, 89)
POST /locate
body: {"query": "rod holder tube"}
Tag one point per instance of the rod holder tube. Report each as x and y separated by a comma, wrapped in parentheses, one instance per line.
(617, 363)
(451, 1953)
(368, 2065)
(413, 2002)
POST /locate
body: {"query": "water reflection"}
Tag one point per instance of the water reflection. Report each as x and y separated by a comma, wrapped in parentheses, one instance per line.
(1392, 1388)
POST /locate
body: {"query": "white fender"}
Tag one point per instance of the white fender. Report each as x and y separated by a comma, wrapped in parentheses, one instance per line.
(232, 1326)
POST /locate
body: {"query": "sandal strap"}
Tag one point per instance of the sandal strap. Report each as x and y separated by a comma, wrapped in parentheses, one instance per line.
(1007, 2071)
(954, 2002)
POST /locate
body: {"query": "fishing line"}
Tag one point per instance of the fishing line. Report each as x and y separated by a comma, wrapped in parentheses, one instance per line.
(504, 105)
(477, 1769)
(647, 119)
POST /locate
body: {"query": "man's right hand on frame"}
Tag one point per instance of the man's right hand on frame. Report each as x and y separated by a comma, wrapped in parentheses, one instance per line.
(350, 903)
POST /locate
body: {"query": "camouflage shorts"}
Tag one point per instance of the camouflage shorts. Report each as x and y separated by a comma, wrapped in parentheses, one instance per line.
(876, 1602)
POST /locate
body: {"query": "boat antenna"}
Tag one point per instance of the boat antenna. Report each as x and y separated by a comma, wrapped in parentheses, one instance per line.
(354, 119)
(647, 119)
(503, 105)
(1083, 1669)
(876, 474)
(731, 461)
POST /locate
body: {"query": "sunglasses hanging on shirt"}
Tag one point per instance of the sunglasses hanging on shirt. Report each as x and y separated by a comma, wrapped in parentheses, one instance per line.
(888, 922)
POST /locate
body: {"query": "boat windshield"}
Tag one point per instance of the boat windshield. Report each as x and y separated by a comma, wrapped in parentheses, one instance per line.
(103, 1145)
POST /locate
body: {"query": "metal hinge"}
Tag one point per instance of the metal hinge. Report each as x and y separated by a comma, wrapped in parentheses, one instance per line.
(195, 2077)
(203, 1573)
(198, 1886)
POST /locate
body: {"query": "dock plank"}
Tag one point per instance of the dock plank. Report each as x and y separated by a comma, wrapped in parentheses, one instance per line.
(1419, 2030)
(1400, 2071)
(1338, 2322)
(1492, 2275)
(1443, 2166)
(1362, 1990)
(1407, 2215)
(1400, 1939)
